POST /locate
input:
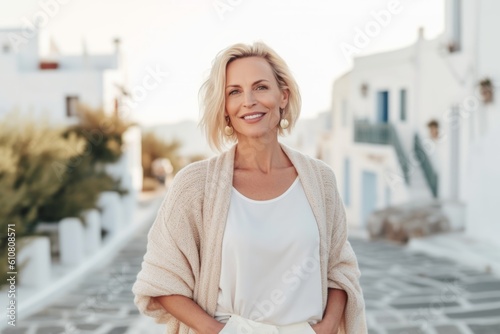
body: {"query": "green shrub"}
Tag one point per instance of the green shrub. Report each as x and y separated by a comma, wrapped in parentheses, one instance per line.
(33, 160)
(103, 132)
(49, 173)
(82, 187)
(86, 179)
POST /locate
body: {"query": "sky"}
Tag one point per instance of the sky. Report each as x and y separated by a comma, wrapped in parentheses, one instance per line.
(180, 38)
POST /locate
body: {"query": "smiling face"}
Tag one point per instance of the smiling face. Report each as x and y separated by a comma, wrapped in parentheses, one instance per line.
(253, 98)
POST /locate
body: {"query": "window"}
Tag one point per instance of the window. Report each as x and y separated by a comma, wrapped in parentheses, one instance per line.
(347, 182)
(71, 106)
(402, 104)
(383, 107)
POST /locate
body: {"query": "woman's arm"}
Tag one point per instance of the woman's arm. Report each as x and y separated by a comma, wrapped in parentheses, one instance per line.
(187, 311)
(337, 300)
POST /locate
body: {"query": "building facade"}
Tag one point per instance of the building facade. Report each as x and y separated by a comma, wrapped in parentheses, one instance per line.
(55, 83)
(408, 124)
(52, 86)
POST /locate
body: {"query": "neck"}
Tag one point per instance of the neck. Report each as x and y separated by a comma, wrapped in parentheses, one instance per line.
(260, 155)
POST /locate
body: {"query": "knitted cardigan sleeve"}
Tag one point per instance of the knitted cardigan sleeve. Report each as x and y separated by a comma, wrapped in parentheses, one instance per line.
(343, 270)
(171, 264)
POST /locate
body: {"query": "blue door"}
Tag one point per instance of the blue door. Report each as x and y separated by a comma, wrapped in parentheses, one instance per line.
(368, 195)
(383, 107)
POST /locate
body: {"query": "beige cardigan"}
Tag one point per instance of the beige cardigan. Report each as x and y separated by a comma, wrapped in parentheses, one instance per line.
(185, 242)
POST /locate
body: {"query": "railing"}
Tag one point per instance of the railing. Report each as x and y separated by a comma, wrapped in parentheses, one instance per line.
(365, 132)
(430, 174)
(383, 134)
(400, 152)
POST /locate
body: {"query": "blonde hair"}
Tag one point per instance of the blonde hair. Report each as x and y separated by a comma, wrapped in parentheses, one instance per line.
(212, 92)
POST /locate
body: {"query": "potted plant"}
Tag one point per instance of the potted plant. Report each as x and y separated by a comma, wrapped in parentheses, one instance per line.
(486, 89)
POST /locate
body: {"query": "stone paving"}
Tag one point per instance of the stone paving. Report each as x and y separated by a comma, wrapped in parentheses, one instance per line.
(405, 293)
(412, 293)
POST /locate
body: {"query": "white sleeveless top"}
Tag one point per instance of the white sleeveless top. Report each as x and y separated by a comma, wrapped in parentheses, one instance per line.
(270, 260)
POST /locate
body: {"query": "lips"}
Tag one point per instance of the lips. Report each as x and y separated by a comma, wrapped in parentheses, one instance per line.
(253, 115)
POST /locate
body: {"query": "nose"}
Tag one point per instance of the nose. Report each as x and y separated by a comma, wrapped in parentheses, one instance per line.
(249, 99)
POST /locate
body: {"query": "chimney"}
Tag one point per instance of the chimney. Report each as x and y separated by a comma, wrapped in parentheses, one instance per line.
(421, 33)
(117, 42)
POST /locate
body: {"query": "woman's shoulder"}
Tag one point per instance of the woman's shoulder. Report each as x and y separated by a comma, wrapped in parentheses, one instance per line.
(329, 180)
(193, 169)
(192, 174)
(196, 173)
(185, 190)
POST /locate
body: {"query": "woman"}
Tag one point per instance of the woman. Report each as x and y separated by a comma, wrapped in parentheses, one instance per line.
(253, 240)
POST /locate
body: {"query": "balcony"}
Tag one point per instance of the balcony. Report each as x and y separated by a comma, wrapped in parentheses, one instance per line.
(382, 134)
(370, 133)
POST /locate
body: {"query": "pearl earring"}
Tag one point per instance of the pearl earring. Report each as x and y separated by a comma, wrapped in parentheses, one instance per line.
(283, 122)
(228, 130)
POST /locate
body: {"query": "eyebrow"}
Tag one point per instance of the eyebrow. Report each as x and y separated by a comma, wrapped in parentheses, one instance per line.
(256, 82)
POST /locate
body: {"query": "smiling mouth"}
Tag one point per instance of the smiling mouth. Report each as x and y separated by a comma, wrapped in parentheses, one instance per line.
(253, 116)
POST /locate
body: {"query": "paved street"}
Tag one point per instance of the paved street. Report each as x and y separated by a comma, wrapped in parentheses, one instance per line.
(405, 293)
(409, 293)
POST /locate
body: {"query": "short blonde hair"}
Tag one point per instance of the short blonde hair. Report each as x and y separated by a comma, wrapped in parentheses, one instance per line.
(212, 92)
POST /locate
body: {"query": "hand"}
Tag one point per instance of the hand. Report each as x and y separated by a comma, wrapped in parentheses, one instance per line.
(326, 327)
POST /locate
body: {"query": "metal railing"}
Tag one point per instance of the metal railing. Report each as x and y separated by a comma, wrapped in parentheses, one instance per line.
(429, 172)
(365, 132)
(383, 134)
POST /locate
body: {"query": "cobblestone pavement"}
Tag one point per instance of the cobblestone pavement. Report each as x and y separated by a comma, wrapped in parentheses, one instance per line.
(412, 293)
(405, 293)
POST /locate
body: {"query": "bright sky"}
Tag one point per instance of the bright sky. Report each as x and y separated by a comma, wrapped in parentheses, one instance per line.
(182, 37)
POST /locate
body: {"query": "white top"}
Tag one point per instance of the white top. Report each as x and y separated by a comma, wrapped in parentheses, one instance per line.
(270, 260)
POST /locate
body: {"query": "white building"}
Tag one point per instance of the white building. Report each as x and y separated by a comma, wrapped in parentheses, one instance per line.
(55, 83)
(387, 100)
(51, 86)
(473, 25)
(310, 135)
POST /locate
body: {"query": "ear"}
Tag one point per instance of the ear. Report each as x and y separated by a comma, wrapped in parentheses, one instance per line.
(285, 93)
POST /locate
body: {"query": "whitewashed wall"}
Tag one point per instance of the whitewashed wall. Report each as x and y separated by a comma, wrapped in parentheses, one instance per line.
(482, 176)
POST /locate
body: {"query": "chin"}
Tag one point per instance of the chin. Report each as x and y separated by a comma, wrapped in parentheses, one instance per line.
(256, 134)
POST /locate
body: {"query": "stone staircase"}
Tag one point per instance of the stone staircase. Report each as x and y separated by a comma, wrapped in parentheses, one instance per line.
(423, 215)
